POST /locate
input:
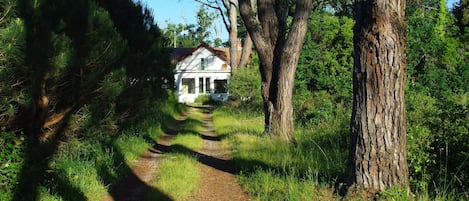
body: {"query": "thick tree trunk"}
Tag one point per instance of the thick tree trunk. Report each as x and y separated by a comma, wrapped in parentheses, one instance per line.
(278, 51)
(378, 131)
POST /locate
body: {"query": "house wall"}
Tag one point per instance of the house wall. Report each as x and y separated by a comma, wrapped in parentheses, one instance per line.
(193, 62)
(190, 67)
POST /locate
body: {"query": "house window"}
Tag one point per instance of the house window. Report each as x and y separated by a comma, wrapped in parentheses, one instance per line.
(207, 85)
(201, 85)
(188, 86)
(204, 85)
(221, 86)
(203, 63)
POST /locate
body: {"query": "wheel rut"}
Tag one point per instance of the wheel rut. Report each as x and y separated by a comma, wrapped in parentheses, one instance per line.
(217, 170)
(138, 183)
(218, 182)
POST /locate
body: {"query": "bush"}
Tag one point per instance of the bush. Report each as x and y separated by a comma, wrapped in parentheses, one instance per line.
(11, 161)
(245, 89)
(205, 99)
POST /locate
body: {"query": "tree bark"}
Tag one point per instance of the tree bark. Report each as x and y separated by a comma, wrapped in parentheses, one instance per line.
(378, 130)
(278, 54)
(246, 51)
(233, 16)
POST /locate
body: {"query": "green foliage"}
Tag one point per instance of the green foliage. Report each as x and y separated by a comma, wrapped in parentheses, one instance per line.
(326, 60)
(395, 193)
(205, 99)
(245, 87)
(436, 99)
(191, 35)
(95, 65)
(11, 162)
(13, 74)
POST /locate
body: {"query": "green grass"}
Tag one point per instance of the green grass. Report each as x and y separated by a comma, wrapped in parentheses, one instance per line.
(178, 176)
(275, 170)
(271, 169)
(188, 141)
(86, 168)
(178, 173)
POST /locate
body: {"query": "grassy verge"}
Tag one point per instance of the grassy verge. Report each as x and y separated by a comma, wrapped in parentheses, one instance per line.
(86, 168)
(275, 170)
(178, 173)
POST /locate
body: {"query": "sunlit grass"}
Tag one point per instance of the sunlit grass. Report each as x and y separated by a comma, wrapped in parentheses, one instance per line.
(272, 169)
(76, 173)
(178, 173)
(226, 123)
(178, 176)
(131, 147)
(193, 123)
(189, 141)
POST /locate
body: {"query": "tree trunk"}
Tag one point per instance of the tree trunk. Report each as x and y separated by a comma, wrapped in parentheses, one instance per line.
(233, 16)
(246, 52)
(378, 131)
(278, 55)
(40, 109)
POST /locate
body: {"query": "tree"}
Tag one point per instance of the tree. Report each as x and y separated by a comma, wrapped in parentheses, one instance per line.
(461, 12)
(378, 128)
(438, 67)
(230, 10)
(279, 48)
(191, 35)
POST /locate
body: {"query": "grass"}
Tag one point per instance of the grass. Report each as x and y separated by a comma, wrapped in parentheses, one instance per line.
(178, 173)
(271, 169)
(178, 176)
(274, 170)
(86, 168)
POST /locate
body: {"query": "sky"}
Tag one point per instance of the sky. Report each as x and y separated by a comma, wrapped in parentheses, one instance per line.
(180, 11)
(184, 11)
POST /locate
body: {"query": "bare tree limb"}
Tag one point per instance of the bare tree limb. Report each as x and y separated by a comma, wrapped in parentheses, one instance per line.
(217, 7)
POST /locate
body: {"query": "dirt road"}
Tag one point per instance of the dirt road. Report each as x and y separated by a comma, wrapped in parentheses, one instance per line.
(218, 181)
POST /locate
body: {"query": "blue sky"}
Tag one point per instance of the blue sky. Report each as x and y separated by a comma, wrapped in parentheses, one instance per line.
(180, 11)
(184, 11)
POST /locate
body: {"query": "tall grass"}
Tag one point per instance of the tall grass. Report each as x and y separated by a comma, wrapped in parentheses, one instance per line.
(271, 169)
(274, 170)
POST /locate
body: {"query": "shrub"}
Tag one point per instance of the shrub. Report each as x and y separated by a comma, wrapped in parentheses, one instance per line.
(245, 88)
(205, 99)
(11, 161)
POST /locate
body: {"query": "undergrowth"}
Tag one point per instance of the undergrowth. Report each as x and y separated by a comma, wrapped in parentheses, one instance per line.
(87, 168)
(271, 169)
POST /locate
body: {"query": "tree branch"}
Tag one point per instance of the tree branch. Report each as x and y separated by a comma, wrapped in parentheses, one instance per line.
(254, 28)
(300, 20)
(209, 4)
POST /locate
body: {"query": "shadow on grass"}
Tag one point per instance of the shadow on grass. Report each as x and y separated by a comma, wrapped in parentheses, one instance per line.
(36, 170)
(219, 164)
(130, 186)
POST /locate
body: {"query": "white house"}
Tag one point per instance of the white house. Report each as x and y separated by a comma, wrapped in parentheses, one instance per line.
(201, 70)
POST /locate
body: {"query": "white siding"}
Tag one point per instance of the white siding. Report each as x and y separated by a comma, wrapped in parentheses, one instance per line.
(190, 67)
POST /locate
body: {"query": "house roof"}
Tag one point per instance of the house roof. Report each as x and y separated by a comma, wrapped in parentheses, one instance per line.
(180, 54)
